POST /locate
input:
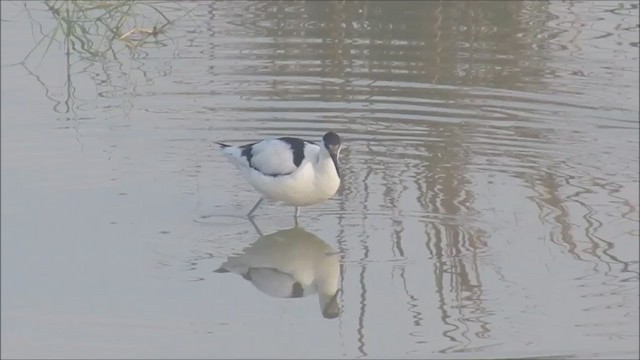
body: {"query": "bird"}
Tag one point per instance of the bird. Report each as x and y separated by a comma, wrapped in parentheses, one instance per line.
(291, 263)
(290, 170)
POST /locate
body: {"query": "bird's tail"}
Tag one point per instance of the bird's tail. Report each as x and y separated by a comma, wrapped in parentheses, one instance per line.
(222, 145)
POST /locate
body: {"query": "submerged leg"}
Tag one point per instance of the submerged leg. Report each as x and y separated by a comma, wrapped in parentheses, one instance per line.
(295, 217)
(255, 226)
(255, 207)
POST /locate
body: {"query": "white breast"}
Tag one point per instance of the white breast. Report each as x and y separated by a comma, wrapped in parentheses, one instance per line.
(314, 180)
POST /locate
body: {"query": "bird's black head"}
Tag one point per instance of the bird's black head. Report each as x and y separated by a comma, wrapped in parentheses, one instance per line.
(331, 309)
(331, 142)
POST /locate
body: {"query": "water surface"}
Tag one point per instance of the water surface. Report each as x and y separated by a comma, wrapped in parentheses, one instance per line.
(489, 205)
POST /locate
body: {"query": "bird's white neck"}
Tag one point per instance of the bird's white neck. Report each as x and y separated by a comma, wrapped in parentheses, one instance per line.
(325, 165)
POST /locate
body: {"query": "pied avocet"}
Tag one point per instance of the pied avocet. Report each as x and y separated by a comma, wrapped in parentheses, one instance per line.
(291, 170)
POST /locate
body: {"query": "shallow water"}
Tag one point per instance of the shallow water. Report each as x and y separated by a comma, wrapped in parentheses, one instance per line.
(489, 205)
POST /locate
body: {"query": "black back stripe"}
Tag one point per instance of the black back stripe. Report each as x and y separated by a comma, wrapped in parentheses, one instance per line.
(297, 146)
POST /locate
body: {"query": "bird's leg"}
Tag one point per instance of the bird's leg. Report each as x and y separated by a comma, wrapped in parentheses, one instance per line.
(295, 217)
(255, 207)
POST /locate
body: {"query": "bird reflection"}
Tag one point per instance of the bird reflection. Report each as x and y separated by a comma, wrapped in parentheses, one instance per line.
(291, 263)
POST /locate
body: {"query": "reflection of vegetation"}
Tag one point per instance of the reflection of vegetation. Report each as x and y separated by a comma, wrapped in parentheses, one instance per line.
(431, 41)
(93, 30)
(95, 27)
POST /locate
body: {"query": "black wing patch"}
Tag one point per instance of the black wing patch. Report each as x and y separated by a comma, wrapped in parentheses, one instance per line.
(297, 145)
(246, 152)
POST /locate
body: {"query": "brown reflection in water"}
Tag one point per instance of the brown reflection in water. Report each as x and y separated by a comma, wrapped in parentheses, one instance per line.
(395, 41)
(363, 269)
(458, 287)
(443, 188)
(596, 250)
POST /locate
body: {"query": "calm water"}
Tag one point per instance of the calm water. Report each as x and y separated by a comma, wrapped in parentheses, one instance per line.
(489, 205)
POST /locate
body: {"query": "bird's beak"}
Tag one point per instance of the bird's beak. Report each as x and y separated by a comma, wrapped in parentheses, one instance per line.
(334, 151)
